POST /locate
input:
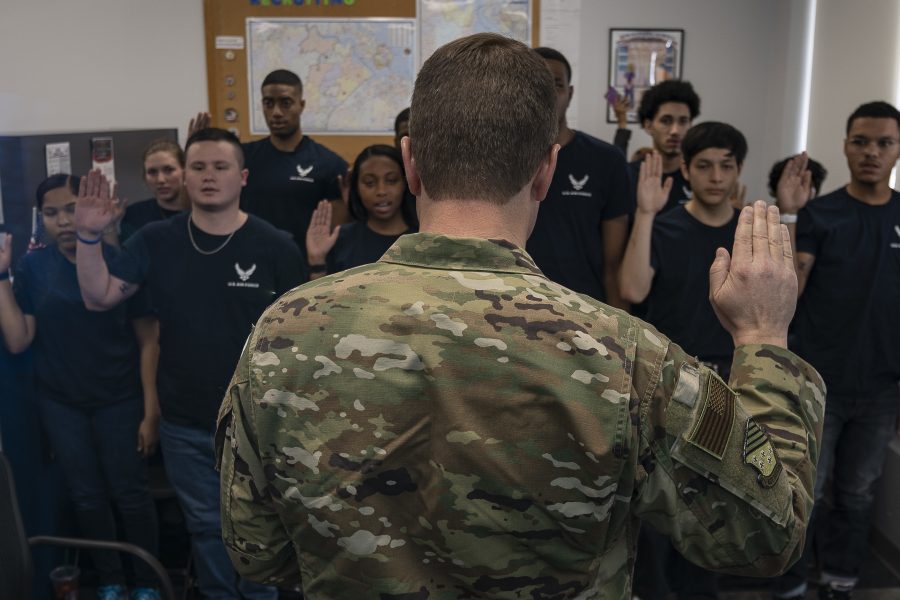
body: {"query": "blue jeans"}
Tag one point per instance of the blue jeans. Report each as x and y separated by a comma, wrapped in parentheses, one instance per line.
(191, 468)
(97, 450)
(855, 438)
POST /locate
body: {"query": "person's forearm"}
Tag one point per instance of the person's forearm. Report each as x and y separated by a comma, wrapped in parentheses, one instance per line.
(13, 326)
(149, 363)
(636, 274)
(611, 284)
(93, 276)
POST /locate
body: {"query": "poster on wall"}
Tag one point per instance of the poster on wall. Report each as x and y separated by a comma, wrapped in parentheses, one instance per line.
(638, 60)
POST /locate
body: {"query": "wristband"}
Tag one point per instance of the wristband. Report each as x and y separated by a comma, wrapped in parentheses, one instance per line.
(4, 275)
(318, 268)
(788, 219)
(88, 242)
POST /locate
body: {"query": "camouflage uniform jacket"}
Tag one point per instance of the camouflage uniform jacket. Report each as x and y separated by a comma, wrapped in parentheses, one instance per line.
(448, 423)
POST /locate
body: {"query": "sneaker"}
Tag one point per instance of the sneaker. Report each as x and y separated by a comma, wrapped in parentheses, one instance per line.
(111, 592)
(144, 594)
(834, 592)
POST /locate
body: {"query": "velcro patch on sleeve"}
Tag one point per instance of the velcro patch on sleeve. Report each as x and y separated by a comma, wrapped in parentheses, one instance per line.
(713, 428)
(760, 454)
(687, 390)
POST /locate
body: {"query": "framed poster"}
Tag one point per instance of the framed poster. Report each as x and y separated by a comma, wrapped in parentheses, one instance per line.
(638, 60)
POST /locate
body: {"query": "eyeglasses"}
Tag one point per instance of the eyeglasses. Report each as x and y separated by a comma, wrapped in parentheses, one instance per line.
(860, 143)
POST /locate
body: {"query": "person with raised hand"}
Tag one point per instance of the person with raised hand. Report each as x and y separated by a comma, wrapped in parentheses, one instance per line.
(848, 263)
(381, 205)
(96, 396)
(210, 272)
(449, 422)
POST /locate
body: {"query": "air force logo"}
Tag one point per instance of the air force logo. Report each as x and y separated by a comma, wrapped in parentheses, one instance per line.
(578, 184)
(303, 173)
(244, 275)
(578, 187)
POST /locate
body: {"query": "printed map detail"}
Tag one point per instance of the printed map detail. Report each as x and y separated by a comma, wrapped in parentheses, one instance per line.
(357, 73)
(443, 21)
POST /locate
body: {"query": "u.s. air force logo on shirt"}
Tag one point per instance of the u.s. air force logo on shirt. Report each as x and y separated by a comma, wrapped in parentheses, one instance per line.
(244, 275)
(896, 244)
(578, 187)
(303, 174)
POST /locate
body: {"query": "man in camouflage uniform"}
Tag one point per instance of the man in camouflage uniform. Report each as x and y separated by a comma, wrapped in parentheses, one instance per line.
(448, 423)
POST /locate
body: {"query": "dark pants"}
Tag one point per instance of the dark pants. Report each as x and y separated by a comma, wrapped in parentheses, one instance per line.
(855, 438)
(191, 468)
(97, 450)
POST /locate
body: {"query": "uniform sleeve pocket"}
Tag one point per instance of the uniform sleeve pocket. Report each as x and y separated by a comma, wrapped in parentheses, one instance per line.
(723, 444)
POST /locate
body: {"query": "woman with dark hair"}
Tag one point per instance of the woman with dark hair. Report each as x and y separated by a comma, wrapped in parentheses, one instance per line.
(98, 405)
(382, 206)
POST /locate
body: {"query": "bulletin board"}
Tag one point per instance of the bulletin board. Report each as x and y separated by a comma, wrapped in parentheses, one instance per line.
(229, 31)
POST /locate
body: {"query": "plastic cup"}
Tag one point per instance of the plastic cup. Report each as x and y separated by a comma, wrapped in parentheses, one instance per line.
(65, 582)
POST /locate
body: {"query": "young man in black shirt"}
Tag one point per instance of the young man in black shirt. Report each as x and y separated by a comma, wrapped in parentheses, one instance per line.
(582, 226)
(666, 264)
(666, 112)
(289, 172)
(667, 255)
(846, 326)
(210, 273)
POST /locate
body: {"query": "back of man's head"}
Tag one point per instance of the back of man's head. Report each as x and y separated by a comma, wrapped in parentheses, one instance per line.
(713, 134)
(874, 110)
(483, 116)
(671, 90)
(283, 77)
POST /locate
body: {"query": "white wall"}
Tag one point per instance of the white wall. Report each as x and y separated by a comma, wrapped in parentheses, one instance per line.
(737, 56)
(76, 65)
(857, 47)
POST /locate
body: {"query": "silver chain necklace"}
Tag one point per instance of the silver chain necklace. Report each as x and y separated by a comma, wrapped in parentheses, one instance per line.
(207, 252)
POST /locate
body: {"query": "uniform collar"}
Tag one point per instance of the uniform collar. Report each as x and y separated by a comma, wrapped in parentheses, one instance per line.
(434, 251)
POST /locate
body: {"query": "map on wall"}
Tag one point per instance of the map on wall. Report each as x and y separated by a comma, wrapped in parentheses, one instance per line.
(442, 21)
(357, 74)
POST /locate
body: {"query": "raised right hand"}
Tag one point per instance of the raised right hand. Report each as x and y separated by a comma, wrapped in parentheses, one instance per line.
(794, 185)
(320, 237)
(5, 252)
(95, 209)
(754, 291)
(652, 192)
(201, 121)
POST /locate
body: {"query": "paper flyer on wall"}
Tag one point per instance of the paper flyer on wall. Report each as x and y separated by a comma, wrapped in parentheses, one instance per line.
(59, 158)
(103, 157)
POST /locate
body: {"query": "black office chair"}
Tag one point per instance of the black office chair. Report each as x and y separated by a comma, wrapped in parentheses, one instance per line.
(15, 548)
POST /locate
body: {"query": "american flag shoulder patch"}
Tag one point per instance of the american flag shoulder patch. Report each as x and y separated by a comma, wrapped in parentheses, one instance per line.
(713, 428)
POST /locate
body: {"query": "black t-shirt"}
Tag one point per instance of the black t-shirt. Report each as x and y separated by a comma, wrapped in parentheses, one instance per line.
(591, 185)
(358, 245)
(678, 195)
(139, 214)
(206, 304)
(83, 358)
(681, 252)
(284, 188)
(848, 319)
